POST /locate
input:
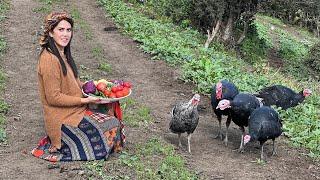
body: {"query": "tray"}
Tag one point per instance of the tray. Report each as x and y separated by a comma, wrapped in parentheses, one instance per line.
(107, 100)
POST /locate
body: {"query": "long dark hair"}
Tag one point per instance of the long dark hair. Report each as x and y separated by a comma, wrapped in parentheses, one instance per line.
(51, 47)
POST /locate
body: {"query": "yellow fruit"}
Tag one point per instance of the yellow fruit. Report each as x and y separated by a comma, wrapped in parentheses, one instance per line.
(103, 80)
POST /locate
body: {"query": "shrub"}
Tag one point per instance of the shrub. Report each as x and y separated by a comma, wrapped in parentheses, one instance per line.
(255, 45)
(313, 58)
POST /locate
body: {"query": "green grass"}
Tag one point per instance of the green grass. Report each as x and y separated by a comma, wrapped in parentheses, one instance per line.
(135, 114)
(42, 9)
(153, 159)
(46, 6)
(4, 7)
(97, 51)
(291, 43)
(2, 130)
(3, 45)
(81, 23)
(98, 55)
(150, 158)
(204, 67)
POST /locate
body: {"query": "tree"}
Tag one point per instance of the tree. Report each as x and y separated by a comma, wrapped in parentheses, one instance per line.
(305, 13)
(224, 17)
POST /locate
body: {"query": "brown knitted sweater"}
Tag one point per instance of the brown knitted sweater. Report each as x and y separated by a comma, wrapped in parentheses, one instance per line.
(60, 96)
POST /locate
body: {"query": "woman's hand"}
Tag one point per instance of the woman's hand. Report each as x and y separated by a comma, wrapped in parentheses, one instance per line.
(93, 100)
(90, 99)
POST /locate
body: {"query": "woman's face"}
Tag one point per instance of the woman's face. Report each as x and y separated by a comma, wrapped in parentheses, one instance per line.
(62, 34)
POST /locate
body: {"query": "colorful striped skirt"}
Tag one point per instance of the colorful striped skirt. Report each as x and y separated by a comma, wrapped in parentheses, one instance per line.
(95, 138)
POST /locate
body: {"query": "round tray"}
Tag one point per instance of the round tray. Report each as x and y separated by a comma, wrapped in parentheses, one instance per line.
(107, 100)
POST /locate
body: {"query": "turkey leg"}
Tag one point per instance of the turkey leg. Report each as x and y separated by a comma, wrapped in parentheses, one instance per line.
(219, 133)
(261, 156)
(179, 138)
(274, 152)
(227, 127)
(189, 137)
(241, 149)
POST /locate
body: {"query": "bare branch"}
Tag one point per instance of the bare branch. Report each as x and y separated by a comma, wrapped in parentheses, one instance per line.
(213, 33)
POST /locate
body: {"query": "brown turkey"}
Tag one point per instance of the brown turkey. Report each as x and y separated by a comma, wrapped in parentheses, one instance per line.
(185, 118)
(282, 96)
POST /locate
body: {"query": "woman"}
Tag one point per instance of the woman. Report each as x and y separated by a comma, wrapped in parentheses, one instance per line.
(74, 132)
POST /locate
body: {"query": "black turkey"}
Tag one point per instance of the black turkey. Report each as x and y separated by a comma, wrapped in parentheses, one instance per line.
(241, 107)
(282, 96)
(264, 124)
(223, 90)
(185, 118)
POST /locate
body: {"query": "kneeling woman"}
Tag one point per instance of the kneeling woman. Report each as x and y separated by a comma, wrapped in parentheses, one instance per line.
(74, 131)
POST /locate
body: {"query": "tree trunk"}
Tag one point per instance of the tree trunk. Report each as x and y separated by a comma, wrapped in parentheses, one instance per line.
(243, 34)
(318, 26)
(228, 29)
(213, 33)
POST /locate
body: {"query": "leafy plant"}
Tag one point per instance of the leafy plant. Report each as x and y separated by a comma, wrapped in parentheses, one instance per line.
(313, 58)
(291, 48)
(254, 48)
(4, 107)
(105, 67)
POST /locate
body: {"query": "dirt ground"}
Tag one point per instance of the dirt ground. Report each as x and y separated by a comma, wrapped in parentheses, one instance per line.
(156, 85)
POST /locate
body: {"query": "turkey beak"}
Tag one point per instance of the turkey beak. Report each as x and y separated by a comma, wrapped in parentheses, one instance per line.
(220, 107)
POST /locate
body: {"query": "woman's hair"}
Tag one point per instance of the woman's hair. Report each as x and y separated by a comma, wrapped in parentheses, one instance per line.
(48, 43)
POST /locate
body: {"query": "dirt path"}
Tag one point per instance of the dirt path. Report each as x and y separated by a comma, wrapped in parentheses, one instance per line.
(156, 86)
(24, 121)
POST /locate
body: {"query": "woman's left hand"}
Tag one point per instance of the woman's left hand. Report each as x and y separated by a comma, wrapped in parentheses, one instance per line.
(90, 99)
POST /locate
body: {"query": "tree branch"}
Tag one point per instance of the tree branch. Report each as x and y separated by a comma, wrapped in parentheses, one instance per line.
(212, 34)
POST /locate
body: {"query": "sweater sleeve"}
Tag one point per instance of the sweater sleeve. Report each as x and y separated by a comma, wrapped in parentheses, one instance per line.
(51, 74)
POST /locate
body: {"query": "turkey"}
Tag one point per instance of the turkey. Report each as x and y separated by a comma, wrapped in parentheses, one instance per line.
(241, 107)
(282, 96)
(223, 90)
(185, 118)
(264, 124)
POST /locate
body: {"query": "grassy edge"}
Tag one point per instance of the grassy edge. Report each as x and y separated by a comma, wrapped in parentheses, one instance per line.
(4, 7)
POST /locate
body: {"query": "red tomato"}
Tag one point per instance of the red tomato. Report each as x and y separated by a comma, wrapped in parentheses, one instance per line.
(119, 88)
(127, 84)
(125, 91)
(119, 94)
(114, 89)
(101, 86)
(107, 92)
(112, 95)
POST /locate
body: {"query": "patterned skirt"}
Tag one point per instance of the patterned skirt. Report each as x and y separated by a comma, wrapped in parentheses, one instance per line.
(95, 138)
